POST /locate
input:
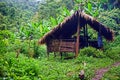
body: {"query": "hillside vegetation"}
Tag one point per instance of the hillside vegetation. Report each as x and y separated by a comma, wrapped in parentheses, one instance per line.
(24, 22)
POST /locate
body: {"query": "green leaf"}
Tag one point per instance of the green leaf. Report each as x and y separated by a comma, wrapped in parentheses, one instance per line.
(89, 6)
(41, 29)
(53, 21)
(96, 13)
(88, 11)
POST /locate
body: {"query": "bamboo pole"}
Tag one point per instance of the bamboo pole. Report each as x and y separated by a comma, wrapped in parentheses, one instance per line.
(77, 41)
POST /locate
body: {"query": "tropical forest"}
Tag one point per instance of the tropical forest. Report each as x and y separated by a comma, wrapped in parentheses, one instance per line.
(59, 39)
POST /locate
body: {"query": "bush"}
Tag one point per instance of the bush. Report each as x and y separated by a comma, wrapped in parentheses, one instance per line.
(4, 34)
(113, 53)
(111, 19)
(31, 49)
(90, 51)
(115, 43)
(18, 68)
(40, 51)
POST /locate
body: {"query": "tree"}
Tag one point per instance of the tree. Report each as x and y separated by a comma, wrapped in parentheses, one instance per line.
(53, 8)
(3, 8)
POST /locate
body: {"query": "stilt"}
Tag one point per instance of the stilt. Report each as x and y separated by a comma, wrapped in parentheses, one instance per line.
(54, 54)
(61, 54)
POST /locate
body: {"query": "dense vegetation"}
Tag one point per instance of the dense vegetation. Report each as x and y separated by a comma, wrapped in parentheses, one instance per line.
(23, 22)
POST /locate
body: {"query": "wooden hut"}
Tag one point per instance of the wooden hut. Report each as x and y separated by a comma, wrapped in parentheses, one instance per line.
(59, 39)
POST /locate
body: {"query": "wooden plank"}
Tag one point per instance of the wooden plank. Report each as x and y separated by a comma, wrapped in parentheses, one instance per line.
(61, 46)
(70, 46)
(53, 49)
(67, 47)
(66, 50)
(67, 44)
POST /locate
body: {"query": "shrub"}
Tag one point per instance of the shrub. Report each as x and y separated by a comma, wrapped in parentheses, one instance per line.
(30, 50)
(111, 19)
(115, 43)
(113, 53)
(39, 51)
(18, 68)
(4, 34)
(90, 51)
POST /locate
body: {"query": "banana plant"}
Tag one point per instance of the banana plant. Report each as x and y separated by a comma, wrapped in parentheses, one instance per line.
(89, 9)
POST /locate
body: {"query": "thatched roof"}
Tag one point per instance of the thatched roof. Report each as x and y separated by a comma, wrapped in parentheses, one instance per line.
(68, 28)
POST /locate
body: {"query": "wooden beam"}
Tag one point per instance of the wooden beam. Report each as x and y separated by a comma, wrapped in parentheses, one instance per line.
(77, 41)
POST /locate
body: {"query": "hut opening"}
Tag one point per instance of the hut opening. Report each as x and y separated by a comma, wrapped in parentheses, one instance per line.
(60, 39)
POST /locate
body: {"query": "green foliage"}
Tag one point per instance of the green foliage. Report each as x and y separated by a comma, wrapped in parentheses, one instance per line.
(29, 68)
(21, 25)
(29, 31)
(29, 50)
(50, 8)
(112, 49)
(113, 44)
(90, 51)
(113, 53)
(39, 51)
(3, 8)
(25, 68)
(90, 64)
(4, 34)
(13, 68)
(92, 12)
(111, 19)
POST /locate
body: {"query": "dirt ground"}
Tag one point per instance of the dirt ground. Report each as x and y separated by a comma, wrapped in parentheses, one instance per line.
(100, 72)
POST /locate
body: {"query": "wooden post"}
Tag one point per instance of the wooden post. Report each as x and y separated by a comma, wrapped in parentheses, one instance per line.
(85, 35)
(77, 41)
